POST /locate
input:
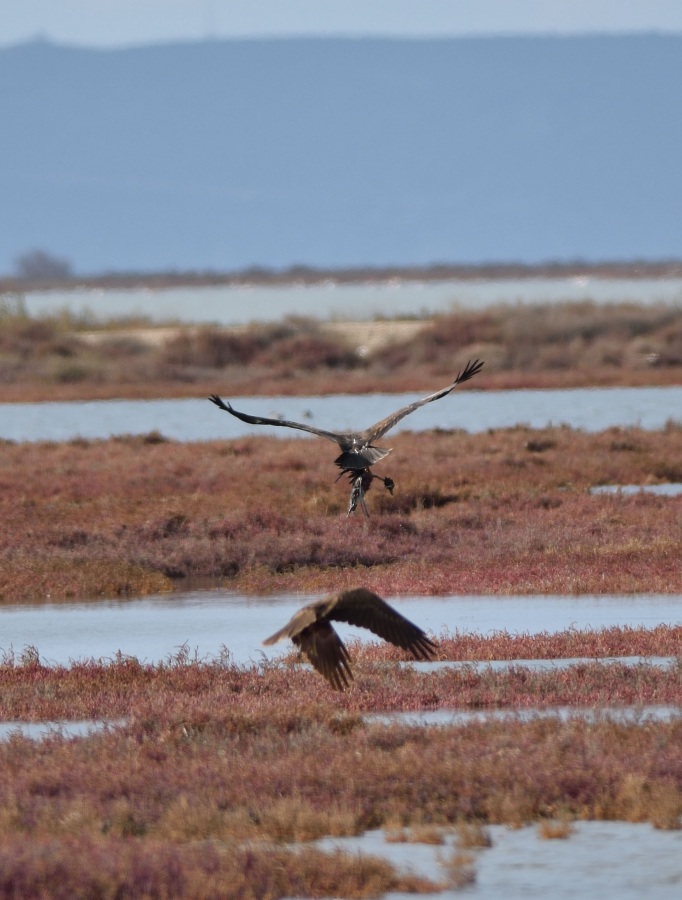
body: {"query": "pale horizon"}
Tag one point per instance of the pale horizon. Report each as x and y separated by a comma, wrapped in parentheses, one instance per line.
(124, 23)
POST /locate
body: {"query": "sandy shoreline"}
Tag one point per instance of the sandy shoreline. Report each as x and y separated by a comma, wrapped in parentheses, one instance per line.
(365, 337)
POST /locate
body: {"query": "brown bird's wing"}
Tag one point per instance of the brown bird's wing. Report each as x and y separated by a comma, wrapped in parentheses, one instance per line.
(320, 643)
(341, 439)
(376, 431)
(367, 610)
(327, 653)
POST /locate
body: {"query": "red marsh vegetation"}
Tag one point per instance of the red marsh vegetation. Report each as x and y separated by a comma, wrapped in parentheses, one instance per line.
(222, 695)
(96, 866)
(502, 512)
(215, 760)
(551, 345)
(216, 766)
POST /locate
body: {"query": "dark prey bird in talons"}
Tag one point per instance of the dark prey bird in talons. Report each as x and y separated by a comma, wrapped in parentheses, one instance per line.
(361, 481)
(358, 452)
(311, 631)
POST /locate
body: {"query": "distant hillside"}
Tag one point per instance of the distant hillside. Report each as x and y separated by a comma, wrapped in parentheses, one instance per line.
(326, 152)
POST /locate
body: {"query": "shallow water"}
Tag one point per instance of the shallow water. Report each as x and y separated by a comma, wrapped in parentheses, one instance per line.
(609, 860)
(671, 489)
(226, 305)
(154, 628)
(627, 715)
(539, 665)
(39, 730)
(634, 715)
(591, 409)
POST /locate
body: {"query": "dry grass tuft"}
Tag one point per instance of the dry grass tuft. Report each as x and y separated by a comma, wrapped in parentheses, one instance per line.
(472, 835)
(460, 869)
(418, 834)
(555, 829)
(644, 800)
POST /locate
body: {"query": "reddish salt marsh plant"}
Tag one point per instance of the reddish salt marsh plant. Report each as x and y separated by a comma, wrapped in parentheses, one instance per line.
(123, 867)
(181, 774)
(661, 640)
(88, 691)
(214, 755)
(193, 696)
(484, 513)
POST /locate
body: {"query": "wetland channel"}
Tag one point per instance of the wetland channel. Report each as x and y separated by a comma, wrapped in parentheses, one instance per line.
(591, 409)
(153, 629)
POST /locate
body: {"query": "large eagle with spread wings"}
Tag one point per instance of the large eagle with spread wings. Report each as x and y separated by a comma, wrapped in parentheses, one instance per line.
(312, 632)
(357, 447)
(358, 451)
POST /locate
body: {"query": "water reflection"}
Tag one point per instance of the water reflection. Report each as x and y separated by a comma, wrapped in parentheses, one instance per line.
(591, 409)
(206, 622)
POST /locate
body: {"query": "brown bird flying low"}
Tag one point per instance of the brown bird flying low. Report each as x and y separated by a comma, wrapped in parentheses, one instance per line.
(357, 447)
(311, 631)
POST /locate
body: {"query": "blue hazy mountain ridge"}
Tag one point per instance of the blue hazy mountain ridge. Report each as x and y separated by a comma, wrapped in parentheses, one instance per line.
(335, 152)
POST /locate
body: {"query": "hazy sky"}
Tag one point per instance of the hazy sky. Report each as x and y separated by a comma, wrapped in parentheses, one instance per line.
(125, 22)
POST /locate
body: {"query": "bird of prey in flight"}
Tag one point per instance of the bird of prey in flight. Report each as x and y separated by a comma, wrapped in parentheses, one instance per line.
(312, 632)
(358, 450)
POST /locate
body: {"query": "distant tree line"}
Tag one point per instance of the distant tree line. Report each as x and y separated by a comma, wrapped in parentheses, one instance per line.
(38, 265)
(41, 266)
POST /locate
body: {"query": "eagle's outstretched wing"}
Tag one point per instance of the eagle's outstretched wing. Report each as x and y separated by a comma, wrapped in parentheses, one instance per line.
(282, 423)
(376, 431)
(354, 440)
